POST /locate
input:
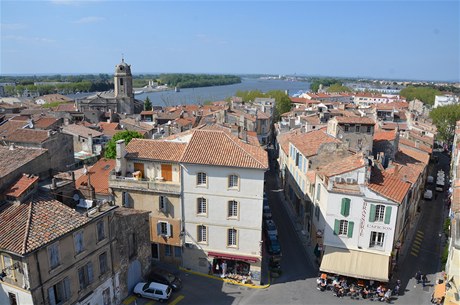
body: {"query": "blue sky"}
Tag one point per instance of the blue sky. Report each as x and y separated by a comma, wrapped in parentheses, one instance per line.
(380, 39)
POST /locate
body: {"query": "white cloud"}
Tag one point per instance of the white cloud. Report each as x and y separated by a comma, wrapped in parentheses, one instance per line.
(28, 39)
(89, 19)
(13, 26)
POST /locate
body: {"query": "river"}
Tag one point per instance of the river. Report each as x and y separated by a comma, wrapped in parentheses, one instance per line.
(218, 93)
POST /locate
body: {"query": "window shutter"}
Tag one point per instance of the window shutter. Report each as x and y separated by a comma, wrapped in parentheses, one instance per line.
(350, 228)
(336, 227)
(67, 288)
(372, 213)
(158, 228)
(345, 210)
(168, 229)
(90, 272)
(51, 295)
(387, 215)
(166, 204)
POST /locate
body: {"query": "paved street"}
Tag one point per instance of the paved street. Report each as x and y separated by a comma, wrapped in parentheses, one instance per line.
(297, 284)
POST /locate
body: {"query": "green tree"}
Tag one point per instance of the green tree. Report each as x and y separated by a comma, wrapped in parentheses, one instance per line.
(282, 103)
(445, 119)
(147, 104)
(338, 87)
(425, 94)
(127, 135)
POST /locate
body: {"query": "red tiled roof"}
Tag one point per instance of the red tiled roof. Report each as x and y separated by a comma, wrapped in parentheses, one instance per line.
(21, 185)
(79, 130)
(36, 223)
(20, 118)
(50, 98)
(388, 185)
(219, 148)
(68, 107)
(43, 123)
(393, 126)
(354, 120)
(299, 100)
(309, 143)
(28, 136)
(414, 144)
(419, 155)
(99, 175)
(384, 135)
(341, 166)
(11, 160)
(155, 150)
(10, 126)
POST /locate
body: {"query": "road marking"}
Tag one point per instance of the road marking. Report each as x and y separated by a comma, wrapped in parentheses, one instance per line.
(417, 243)
(420, 233)
(129, 300)
(414, 254)
(150, 303)
(177, 300)
(419, 237)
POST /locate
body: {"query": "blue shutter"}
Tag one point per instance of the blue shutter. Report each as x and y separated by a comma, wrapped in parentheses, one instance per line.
(51, 296)
(387, 215)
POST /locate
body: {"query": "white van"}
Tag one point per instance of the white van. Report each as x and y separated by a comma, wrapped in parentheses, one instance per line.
(152, 290)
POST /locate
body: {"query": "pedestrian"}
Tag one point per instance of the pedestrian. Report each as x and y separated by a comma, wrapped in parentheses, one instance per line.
(224, 268)
(424, 280)
(418, 276)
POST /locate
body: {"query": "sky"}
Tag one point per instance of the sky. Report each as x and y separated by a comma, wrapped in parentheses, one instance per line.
(386, 39)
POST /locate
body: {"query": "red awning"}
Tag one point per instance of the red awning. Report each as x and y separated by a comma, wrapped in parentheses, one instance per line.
(234, 257)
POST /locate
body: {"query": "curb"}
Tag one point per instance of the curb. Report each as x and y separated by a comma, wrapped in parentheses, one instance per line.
(226, 280)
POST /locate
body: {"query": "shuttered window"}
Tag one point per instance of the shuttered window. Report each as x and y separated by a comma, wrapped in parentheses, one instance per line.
(387, 215)
(345, 208)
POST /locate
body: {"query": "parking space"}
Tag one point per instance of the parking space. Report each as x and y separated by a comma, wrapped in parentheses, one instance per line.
(133, 300)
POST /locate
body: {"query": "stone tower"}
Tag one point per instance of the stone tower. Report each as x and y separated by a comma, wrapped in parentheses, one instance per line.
(123, 80)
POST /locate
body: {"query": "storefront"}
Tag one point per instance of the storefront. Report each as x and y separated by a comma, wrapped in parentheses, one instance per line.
(235, 266)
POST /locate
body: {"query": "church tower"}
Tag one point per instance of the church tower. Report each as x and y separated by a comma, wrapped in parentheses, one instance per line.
(123, 80)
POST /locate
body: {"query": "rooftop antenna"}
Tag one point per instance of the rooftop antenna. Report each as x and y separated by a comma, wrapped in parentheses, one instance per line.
(122, 57)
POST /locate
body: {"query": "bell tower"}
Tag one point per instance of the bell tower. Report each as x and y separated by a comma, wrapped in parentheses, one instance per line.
(123, 80)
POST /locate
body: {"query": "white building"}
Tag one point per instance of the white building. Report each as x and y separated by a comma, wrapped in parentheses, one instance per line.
(223, 182)
(444, 100)
(357, 214)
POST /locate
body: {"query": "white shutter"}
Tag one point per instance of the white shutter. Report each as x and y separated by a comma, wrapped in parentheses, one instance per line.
(159, 228)
(168, 230)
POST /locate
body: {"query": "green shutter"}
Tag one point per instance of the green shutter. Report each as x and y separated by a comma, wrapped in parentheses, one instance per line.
(372, 213)
(387, 215)
(336, 227)
(350, 228)
(345, 210)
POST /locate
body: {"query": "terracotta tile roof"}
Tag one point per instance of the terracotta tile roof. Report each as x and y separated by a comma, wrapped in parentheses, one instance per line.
(9, 127)
(132, 124)
(11, 160)
(423, 138)
(354, 120)
(99, 172)
(109, 129)
(21, 185)
(312, 119)
(342, 166)
(308, 143)
(388, 185)
(382, 135)
(51, 98)
(414, 144)
(155, 150)
(68, 107)
(20, 118)
(28, 136)
(251, 135)
(418, 155)
(79, 130)
(44, 123)
(393, 126)
(392, 106)
(223, 149)
(184, 122)
(299, 100)
(36, 223)
(406, 168)
(311, 176)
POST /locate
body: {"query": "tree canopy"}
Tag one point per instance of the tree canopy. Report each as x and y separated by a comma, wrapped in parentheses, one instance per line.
(197, 80)
(445, 119)
(338, 87)
(127, 135)
(282, 100)
(314, 86)
(424, 94)
(147, 104)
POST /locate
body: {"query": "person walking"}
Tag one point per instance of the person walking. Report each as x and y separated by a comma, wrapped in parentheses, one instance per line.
(418, 276)
(424, 280)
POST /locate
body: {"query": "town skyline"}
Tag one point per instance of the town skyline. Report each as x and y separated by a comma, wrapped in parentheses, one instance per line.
(234, 38)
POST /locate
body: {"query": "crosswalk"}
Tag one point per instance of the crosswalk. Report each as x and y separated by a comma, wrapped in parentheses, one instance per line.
(417, 243)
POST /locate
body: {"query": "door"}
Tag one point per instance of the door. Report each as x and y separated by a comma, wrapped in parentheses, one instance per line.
(155, 251)
(166, 172)
(139, 167)
(134, 275)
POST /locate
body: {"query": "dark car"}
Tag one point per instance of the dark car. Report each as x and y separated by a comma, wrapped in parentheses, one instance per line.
(273, 245)
(165, 277)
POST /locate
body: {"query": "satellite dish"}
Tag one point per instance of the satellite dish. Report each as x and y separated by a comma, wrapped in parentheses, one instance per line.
(76, 197)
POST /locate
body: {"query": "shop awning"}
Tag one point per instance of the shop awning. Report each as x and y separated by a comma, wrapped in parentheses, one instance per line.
(439, 291)
(248, 259)
(357, 264)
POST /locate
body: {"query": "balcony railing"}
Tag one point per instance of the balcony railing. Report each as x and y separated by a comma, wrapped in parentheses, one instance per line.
(153, 185)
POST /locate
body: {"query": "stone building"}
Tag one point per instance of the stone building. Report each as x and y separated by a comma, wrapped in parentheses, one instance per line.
(121, 100)
(356, 132)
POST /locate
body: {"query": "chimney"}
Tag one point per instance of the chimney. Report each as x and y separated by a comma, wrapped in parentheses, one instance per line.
(110, 116)
(53, 184)
(66, 121)
(120, 164)
(90, 143)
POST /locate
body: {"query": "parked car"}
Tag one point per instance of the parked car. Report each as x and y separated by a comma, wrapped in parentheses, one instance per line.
(430, 179)
(428, 194)
(270, 227)
(273, 245)
(152, 290)
(165, 277)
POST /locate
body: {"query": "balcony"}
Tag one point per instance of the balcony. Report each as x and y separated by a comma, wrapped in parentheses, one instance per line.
(144, 184)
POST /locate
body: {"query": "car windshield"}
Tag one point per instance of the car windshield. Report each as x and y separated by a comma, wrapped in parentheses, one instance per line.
(146, 286)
